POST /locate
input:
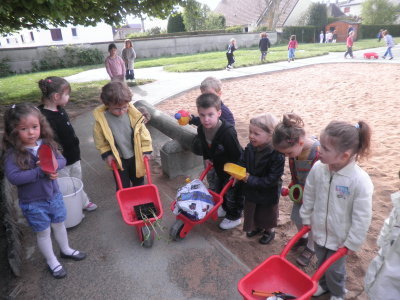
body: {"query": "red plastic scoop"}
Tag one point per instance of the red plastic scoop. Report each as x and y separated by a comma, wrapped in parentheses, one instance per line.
(48, 162)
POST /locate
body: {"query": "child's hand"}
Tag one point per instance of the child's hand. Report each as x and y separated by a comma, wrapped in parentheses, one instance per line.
(147, 155)
(53, 176)
(234, 180)
(208, 162)
(109, 159)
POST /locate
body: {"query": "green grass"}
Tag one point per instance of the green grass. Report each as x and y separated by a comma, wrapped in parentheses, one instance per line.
(216, 60)
(24, 88)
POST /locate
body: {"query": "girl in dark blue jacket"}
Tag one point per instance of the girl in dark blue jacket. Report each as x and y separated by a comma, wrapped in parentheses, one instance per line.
(262, 185)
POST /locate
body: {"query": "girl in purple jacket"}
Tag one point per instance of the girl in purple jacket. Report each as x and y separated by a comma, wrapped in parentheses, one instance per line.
(25, 130)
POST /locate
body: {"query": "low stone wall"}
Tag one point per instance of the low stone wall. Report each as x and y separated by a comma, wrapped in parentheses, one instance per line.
(20, 59)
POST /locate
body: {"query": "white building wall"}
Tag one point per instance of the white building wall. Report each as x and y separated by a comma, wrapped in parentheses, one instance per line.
(42, 37)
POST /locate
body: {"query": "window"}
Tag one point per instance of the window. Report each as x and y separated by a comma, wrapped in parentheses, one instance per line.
(74, 33)
(56, 34)
(347, 9)
(32, 37)
(8, 41)
(22, 39)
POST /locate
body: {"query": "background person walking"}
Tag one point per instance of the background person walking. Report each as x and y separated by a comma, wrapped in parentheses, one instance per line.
(389, 43)
(349, 44)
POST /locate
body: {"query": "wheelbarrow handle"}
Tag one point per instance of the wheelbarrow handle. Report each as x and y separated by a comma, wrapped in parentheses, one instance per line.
(226, 187)
(322, 269)
(148, 174)
(118, 177)
(116, 174)
(294, 239)
(205, 171)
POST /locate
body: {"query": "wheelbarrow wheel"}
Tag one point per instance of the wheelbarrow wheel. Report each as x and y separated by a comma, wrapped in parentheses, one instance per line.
(148, 237)
(176, 230)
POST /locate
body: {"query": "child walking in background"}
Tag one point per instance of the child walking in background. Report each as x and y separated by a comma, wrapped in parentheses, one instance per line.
(219, 143)
(262, 185)
(120, 133)
(263, 45)
(55, 95)
(337, 200)
(349, 45)
(292, 48)
(290, 139)
(229, 53)
(389, 43)
(25, 130)
(115, 66)
(129, 55)
(383, 274)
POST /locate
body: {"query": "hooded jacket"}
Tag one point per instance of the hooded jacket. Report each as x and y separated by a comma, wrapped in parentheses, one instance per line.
(224, 148)
(264, 184)
(104, 139)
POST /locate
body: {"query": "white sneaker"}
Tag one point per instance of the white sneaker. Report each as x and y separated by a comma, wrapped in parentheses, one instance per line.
(90, 207)
(229, 224)
(221, 212)
(336, 298)
(320, 291)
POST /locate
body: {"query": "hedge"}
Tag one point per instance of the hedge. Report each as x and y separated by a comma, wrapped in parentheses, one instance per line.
(370, 31)
(304, 34)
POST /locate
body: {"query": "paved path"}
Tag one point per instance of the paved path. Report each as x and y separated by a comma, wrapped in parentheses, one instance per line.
(117, 267)
(168, 84)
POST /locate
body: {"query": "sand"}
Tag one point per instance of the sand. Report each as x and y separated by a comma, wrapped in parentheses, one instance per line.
(319, 94)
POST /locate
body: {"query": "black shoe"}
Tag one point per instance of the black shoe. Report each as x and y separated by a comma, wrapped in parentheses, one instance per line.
(391, 58)
(253, 233)
(74, 255)
(58, 274)
(383, 57)
(267, 237)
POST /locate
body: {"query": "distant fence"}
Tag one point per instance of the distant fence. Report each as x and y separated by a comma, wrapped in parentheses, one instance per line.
(20, 59)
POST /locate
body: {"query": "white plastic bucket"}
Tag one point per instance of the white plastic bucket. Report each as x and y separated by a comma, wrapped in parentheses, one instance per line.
(71, 188)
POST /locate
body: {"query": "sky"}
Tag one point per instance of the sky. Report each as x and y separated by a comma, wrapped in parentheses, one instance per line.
(150, 23)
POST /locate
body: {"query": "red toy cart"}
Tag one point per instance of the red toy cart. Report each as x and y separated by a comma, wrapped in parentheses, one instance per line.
(277, 274)
(139, 196)
(183, 224)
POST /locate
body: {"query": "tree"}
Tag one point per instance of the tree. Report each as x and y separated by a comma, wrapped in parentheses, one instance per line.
(317, 15)
(194, 15)
(175, 23)
(17, 14)
(378, 12)
(214, 21)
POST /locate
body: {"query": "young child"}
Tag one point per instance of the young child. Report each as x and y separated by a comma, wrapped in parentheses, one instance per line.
(389, 43)
(219, 143)
(25, 130)
(115, 66)
(334, 36)
(129, 55)
(229, 53)
(292, 48)
(337, 200)
(213, 85)
(55, 95)
(349, 45)
(321, 37)
(290, 139)
(263, 45)
(262, 185)
(120, 133)
(383, 274)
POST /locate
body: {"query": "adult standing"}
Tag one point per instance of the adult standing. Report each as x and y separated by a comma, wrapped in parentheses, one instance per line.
(129, 55)
(389, 43)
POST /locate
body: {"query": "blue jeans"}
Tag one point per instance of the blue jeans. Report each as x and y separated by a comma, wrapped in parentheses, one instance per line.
(40, 214)
(388, 52)
(291, 53)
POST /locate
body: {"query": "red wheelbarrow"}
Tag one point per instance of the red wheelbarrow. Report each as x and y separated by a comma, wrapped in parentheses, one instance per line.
(277, 275)
(140, 205)
(183, 224)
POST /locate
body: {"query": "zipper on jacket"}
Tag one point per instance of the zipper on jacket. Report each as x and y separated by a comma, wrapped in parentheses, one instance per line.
(327, 209)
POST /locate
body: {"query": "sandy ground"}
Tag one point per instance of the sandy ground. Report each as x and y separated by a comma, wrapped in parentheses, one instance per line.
(319, 94)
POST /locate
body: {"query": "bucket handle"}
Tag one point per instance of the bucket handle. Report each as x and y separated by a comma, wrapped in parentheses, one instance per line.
(118, 178)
